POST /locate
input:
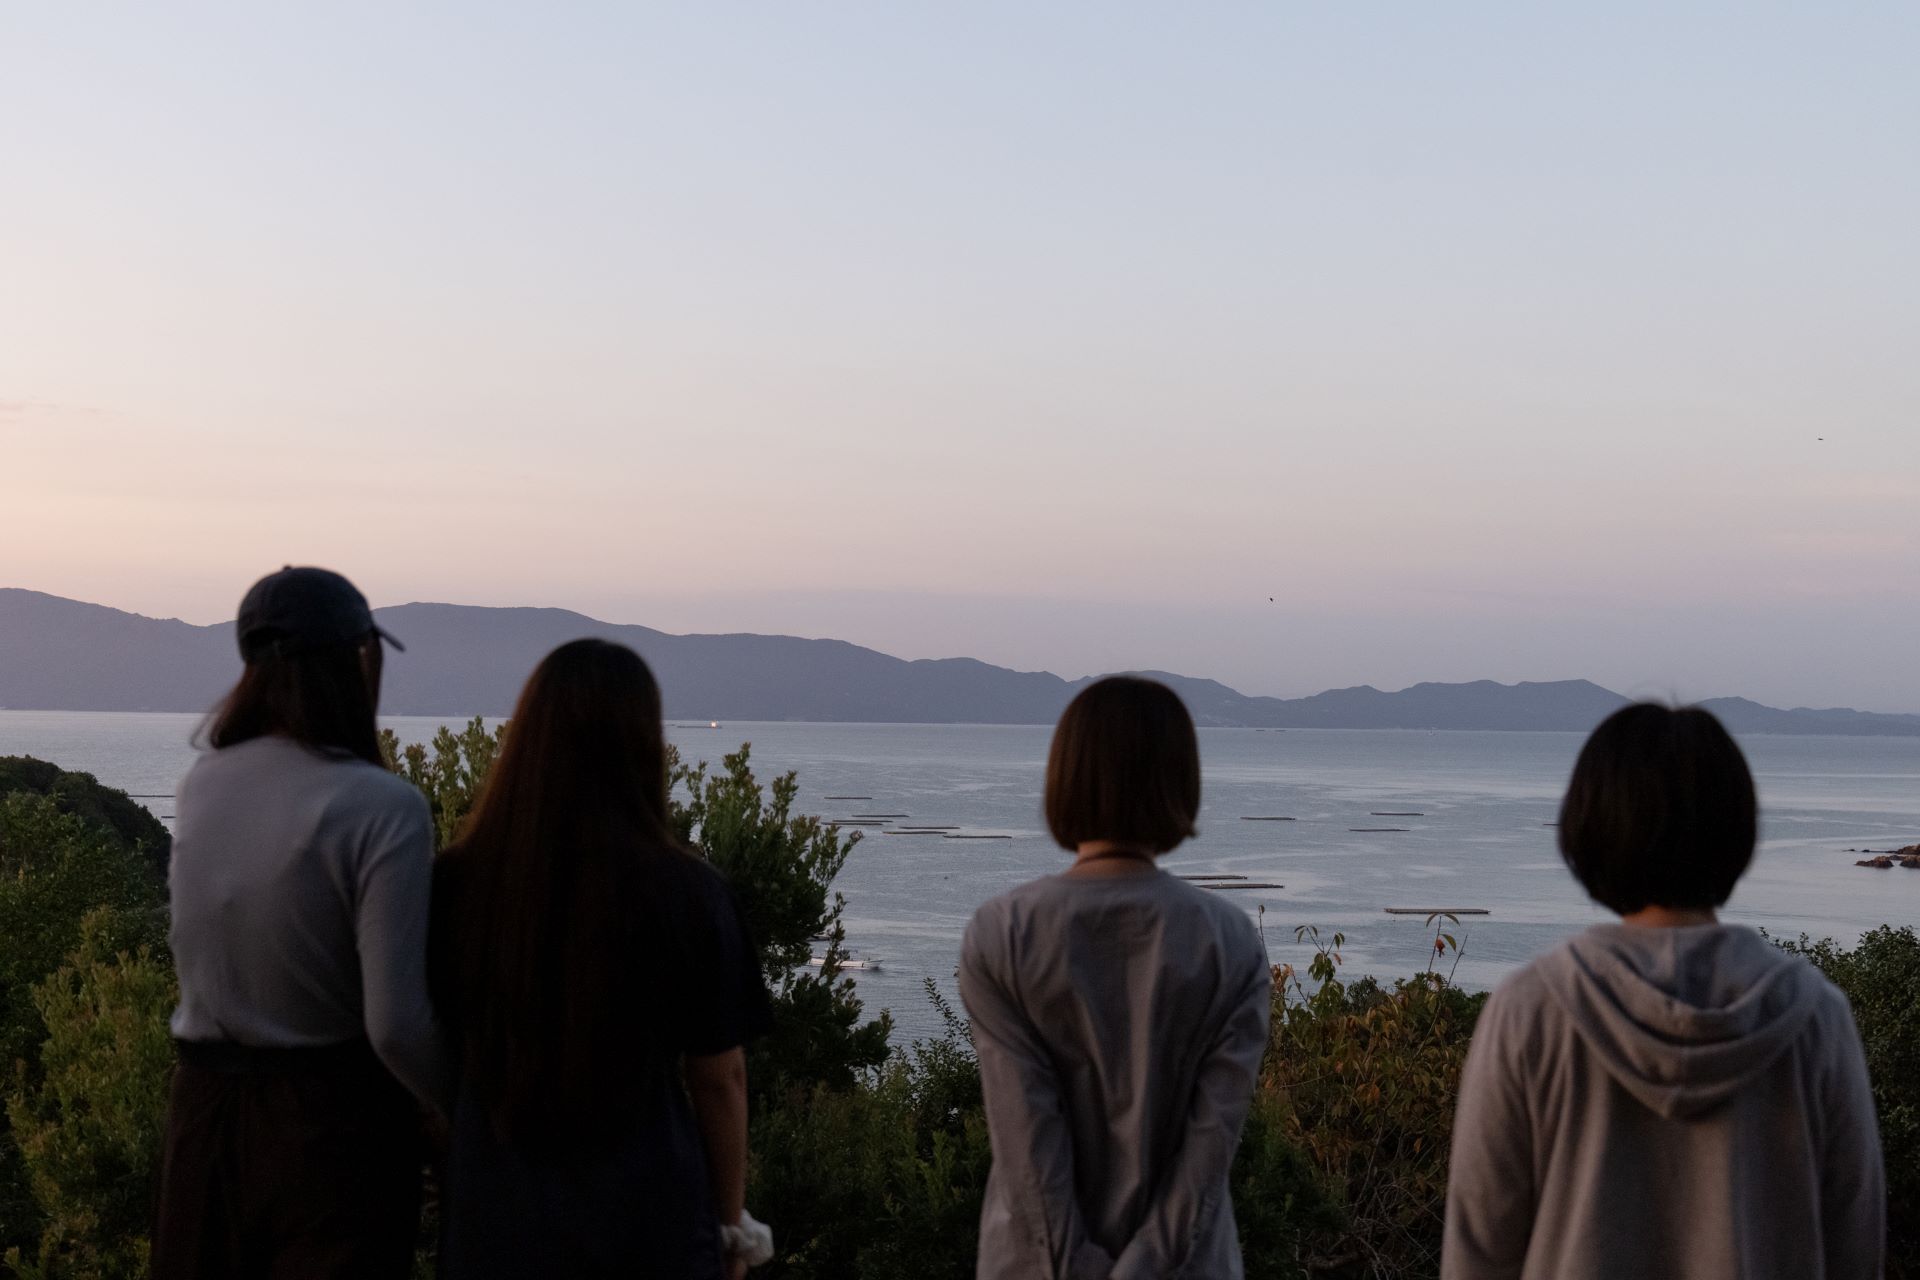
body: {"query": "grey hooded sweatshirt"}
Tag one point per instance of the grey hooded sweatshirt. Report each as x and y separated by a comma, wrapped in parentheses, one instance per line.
(1687, 1102)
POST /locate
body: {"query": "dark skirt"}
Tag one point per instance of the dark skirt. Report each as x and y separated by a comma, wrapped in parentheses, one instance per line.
(285, 1163)
(637, 1207)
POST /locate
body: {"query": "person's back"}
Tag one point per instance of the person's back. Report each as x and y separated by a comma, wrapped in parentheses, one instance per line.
(299, 889)
(1684, 1101)
(1669, 1095)
(1130, 985)
(280, 852)
(597, 984)
(1119, 1015)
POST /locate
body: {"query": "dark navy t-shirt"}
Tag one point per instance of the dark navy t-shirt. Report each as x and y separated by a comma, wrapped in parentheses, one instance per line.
(635, 1202)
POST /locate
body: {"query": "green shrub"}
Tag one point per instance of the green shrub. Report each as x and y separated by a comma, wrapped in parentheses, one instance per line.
(89, 1130)
(1279, 1197)
(1368, 1076)
(56, 869)
(449, 771)
(782, 866)
(80, 795)
(882, 1181)
(1881, 977)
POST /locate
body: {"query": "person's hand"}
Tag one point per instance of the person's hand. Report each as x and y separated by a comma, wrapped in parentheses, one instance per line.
(736, 1268)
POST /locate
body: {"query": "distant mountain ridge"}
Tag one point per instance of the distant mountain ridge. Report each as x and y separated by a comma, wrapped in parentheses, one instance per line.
(65, 655)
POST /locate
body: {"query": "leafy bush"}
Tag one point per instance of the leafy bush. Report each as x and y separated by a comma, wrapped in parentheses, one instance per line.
(89, 1131)
(58, 868)
(1367, 1076)
(449, 771)
(1881, 977)
(782, 866)
(1279, 1196)
(880, 1181)
(80, 795)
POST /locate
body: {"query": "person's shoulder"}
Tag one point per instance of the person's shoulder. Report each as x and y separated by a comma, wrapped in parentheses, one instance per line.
(687, 868)
(1832, 1009)
(988, 928)
(367, 777)
(363, 783)
(1522, 1017)
(372, 801)
(683, 875)
(1529, 987)
(1043, 894)
(204, 766)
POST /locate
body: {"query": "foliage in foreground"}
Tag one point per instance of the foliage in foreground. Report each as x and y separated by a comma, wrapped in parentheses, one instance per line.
(1364, 1078)
(66, 873)
(90, 1130)
(1881, 976)
(883, 1179)
(80, 795)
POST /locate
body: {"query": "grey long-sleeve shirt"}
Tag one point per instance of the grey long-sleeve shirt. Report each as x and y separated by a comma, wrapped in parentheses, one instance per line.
(299, 890)
(1120, 1022)
(1688, 1102)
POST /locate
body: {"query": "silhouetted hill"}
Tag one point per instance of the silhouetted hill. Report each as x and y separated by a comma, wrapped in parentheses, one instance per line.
(461, 660)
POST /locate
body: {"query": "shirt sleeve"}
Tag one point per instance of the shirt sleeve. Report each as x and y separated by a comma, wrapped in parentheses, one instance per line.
(1853, 1191)
(391, 922)
(1026, 1123)
(727, 1003)
(1490, 1192)
(1188, 1196)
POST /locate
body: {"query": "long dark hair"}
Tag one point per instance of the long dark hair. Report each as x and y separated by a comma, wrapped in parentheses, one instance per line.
(552, 912)
(322, 697)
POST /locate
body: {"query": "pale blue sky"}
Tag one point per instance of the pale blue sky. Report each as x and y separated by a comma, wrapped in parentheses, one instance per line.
(1491, 341)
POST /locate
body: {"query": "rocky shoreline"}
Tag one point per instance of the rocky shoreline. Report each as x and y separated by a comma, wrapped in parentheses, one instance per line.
(1909, 857)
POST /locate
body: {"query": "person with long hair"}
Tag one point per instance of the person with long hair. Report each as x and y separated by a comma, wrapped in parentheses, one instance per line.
(1119, 1014)
(1668, 1095)
(597, 985)
(299, 882)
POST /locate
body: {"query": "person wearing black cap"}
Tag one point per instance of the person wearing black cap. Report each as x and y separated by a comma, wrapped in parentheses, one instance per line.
(300, 880)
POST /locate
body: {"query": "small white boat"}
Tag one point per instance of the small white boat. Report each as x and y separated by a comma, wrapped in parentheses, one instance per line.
(848, 962)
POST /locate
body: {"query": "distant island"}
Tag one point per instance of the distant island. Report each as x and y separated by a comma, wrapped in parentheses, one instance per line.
(65, 655)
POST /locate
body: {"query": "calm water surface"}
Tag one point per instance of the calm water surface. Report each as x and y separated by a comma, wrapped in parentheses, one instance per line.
(1481, 839)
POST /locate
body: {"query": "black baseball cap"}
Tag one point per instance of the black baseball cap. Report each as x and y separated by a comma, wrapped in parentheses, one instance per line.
(304, 608)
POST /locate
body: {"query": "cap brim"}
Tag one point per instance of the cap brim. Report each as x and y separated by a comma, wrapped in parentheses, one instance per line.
(386, 635)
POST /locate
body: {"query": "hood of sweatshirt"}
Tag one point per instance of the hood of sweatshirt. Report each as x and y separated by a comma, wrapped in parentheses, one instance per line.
(1682, 1018)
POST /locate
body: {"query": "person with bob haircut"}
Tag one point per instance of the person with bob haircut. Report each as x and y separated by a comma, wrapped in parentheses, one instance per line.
(1119, 1014)
(299, 883)
(1668, 1095)
(598, 987)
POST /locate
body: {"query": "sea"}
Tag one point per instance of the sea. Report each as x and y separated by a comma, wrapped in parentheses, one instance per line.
(1377, 819)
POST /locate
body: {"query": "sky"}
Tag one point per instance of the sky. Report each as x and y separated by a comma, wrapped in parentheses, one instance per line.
(1293, 344)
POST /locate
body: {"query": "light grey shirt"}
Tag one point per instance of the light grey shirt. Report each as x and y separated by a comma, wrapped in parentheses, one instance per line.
(1120, 1022)
(1688, 1102)
(300, 898)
